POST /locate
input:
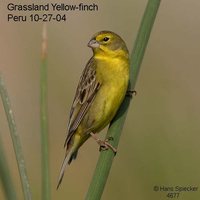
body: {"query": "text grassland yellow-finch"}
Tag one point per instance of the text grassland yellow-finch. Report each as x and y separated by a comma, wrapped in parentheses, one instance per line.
(100, 92)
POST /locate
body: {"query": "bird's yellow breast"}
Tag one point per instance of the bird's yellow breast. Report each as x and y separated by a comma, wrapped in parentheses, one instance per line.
(113, 74)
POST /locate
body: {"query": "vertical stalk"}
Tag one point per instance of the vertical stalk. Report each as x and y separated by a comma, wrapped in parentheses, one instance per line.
(104, 163)
(16, 141)
(5, 176)
(44, 119)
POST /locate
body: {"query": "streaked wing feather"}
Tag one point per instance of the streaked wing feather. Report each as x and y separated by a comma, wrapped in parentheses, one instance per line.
(85, 94)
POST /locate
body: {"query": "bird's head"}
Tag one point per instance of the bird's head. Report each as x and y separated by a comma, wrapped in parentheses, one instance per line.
(108, 43)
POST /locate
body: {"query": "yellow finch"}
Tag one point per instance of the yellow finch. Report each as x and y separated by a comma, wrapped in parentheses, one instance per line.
(100, 92)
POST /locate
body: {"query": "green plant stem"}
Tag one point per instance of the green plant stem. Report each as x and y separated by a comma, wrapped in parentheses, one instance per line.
(5, 176)
(15, 140)
(44, 120)
(104, 163)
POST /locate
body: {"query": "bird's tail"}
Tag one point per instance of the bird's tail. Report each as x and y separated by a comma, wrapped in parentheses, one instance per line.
(70, 155)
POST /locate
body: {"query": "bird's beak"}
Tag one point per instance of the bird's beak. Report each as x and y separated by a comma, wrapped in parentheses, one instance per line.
(93, 44)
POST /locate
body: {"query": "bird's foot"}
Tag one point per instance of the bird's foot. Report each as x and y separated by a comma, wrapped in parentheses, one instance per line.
(104, 144)
(129, 93)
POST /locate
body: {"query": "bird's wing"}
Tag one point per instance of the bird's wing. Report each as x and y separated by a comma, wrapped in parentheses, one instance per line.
(85, 94)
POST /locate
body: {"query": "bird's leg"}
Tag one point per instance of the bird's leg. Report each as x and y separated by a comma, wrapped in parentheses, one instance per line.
(104, 145)
(129, 93)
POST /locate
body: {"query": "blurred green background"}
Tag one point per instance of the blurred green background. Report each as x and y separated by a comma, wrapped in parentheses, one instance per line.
(161, 137)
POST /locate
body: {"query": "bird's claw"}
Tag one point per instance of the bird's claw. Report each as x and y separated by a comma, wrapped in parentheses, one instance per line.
(110, 138)
(129, 93)
(105, 145)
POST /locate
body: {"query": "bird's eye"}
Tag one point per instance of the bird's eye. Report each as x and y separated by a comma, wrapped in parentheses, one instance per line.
(105, 39)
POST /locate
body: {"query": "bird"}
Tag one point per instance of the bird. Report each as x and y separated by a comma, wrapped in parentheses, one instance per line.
(100, 92)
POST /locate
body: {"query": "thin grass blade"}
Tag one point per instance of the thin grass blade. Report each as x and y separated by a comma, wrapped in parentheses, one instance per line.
(15, 140)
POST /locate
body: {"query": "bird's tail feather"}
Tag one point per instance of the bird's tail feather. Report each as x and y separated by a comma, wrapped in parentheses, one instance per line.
(70, 155)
